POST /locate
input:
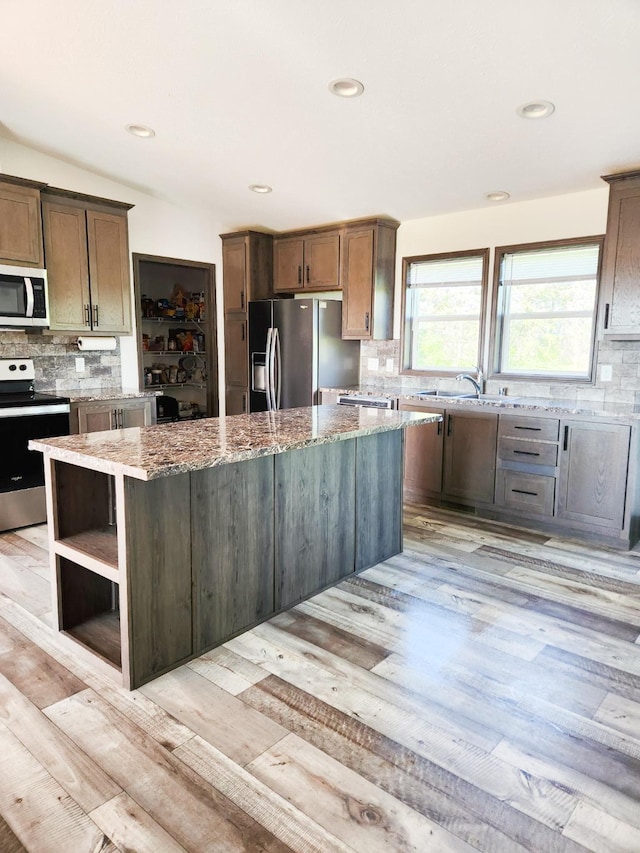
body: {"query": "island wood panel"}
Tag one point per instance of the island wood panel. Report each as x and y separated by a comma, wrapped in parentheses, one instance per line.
(314, 519)
(232, 549)
(378, 497)
(158, 556)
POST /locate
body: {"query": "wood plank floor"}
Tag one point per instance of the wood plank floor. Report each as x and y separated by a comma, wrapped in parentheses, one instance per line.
(480, 691)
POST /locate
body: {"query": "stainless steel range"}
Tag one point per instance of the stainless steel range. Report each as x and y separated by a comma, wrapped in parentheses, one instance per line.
(25, 414)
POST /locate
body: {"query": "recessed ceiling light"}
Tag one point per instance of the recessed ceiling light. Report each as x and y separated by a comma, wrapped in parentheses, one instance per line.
(260, 188)
(536, 109)
(141, 130)
(497, 195)
(346, 87)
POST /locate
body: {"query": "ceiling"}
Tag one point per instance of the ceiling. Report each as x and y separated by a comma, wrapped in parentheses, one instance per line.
(237, 93)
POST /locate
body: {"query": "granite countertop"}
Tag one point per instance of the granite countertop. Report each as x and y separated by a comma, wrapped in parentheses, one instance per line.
(593, 409)
(89, 395)
(147, 453)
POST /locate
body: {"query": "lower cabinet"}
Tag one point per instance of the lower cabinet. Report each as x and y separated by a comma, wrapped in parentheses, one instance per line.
(565, 475)
(237, 400)
(113, 414)
(454, 460)
(592, 481)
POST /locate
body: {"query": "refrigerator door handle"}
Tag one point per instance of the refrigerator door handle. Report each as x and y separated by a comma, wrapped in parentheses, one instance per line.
(278, 374)
(267, 367)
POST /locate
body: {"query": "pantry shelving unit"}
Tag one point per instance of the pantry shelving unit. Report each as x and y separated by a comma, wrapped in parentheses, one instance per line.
(155, 278)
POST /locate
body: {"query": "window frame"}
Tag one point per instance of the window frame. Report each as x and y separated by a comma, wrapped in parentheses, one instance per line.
(495, 331)
(405, 339)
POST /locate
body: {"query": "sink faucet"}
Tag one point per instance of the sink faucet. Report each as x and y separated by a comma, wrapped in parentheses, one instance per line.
(477, 382)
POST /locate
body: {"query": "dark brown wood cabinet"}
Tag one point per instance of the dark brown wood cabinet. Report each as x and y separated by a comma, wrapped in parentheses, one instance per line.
(87, 258)
(307, 262)
(247, 274)
(620, 277)
(592, 481)
(423, 456)
(368, 262)
(20, 222)
(454, 460)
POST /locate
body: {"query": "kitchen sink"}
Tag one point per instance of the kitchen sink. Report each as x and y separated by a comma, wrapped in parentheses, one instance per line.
(434, 393)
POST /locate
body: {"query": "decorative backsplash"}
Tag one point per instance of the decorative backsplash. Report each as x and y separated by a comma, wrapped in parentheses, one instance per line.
(54, 358)
(380, 365)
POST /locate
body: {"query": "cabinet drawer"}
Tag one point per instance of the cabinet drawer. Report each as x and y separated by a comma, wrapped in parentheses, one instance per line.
(529, 492)
(531, 452)
(545, 429)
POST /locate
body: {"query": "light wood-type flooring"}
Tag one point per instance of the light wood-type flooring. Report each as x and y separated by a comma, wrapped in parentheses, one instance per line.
(481, 691)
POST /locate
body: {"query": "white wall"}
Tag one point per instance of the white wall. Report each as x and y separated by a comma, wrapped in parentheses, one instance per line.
(156, 227)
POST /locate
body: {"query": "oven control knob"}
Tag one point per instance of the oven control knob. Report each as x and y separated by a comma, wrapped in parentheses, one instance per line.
(13, 367)
(23, 367)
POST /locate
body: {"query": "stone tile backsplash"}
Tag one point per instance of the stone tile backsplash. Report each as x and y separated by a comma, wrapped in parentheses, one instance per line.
(54, 359)
(380, 365)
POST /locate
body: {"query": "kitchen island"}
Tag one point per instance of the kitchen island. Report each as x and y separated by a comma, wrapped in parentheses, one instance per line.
(166, 541)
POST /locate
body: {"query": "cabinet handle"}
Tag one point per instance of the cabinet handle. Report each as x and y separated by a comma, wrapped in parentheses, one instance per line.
(525, 492)
(299, 274)
(525, 453)
(308, 276)
(114, 419)
(439, 428)
(606, 315)
(242, 299)
(243, 331)
(87, 315)
(449, 424)
(565, 443)
(366, 322)
(95, 316)
(120, 414)
(244, 402)
(530, 429)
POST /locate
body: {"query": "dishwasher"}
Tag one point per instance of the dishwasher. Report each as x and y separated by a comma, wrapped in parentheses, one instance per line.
(366, 401)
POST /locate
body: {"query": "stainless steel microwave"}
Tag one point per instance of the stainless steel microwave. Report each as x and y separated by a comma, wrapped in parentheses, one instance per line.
(24, 301)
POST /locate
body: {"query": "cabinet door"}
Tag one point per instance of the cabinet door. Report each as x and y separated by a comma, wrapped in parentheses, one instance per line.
(97, 417)
(593, 473)
(109, 272)
(322, 262)
(20, 226)
(288, 263)
(357, 284)
(236, 401)
(235, 349)
(136, 413)
(234, 274)
(65, 241)
(423, 450)
(470, 457)
(621, 262)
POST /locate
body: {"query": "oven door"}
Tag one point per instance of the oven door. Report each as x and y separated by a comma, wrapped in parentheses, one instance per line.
(21, 468)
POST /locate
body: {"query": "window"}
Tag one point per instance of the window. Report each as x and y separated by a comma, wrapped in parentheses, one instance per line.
(444, 299)
(546, 298)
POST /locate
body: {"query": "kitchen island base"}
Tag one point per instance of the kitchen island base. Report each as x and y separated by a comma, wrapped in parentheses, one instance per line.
(151, 573)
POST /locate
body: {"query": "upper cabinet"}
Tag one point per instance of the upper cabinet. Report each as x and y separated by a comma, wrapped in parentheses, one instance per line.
(87, 259)
(620, 278)
(20, 223)
(368, 264)
(306, 262)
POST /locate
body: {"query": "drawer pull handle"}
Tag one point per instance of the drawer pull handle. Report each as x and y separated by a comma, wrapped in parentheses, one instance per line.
(525, 492)
(525, 453)
(530, 429)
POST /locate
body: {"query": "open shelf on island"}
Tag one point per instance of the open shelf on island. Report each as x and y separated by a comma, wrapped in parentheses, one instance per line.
(99, 547)
(88, 605)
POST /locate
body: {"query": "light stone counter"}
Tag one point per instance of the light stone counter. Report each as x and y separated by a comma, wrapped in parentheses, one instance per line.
(148, 453)
(90, 395)
(627, 412)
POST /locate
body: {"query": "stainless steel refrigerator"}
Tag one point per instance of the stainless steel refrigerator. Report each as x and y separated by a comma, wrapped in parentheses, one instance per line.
(295, 348)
